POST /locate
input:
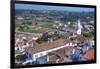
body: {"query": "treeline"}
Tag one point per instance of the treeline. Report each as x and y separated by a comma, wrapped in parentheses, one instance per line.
(58, 15)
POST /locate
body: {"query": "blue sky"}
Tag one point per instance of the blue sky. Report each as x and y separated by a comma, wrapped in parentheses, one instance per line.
(46, 7)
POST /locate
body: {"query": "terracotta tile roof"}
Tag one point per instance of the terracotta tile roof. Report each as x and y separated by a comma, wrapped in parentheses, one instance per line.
(59, 52)
(60, 55)
(55, 44)
(45, 46)
(89, 54)
(53, 58)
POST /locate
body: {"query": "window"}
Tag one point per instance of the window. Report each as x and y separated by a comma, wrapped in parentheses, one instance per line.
(41, 54)
(36, 56)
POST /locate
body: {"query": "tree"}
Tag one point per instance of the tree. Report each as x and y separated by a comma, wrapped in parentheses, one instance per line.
(88, 34)
(23, 27)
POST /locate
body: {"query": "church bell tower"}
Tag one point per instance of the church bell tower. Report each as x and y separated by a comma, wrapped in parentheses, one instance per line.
(79, 28)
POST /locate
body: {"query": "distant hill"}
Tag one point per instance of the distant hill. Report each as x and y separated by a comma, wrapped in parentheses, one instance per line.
(57, 15)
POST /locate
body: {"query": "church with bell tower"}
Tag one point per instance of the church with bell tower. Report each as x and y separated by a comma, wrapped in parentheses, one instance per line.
(79, 27)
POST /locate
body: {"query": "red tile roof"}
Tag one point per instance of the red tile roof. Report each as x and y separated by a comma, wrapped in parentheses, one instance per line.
(89, 54)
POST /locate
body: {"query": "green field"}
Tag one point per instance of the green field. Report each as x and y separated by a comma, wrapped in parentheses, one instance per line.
(45, 27)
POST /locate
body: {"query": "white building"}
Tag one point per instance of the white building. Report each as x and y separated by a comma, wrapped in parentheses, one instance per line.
(79, 27)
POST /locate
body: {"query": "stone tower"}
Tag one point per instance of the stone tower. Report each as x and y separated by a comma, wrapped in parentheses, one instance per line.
(79, 27)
